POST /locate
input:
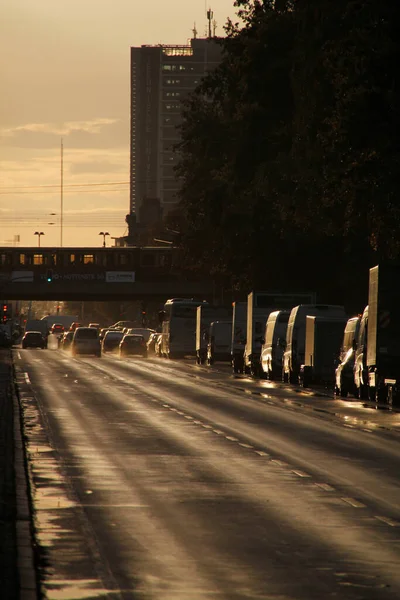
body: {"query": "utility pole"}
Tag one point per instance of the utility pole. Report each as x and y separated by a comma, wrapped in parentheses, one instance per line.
(62, 193)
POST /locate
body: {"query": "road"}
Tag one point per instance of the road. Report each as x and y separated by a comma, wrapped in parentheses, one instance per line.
(164, 480)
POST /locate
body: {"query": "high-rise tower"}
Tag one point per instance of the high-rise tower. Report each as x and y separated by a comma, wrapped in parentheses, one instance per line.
(161, 77)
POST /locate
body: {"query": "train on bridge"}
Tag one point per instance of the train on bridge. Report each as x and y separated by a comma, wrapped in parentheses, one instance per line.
(115, 273)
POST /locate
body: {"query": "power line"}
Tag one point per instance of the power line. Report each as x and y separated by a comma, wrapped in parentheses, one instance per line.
(22, 187)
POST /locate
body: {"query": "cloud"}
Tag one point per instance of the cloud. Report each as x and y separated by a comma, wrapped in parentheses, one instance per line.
(100, 166)
(92, 126)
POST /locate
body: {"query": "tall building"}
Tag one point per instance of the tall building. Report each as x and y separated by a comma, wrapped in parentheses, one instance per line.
(161, 77)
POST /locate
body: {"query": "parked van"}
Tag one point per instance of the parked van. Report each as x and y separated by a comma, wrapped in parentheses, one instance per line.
(274, 344)
(294, 354)
(360, 359)
(219, 344)
(322, 345)
(239, 329)
(344, 374)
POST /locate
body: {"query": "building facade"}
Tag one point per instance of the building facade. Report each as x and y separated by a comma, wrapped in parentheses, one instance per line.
(161, 77)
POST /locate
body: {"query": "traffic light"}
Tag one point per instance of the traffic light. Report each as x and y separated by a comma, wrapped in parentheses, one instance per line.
(4, 312)
(49, 275)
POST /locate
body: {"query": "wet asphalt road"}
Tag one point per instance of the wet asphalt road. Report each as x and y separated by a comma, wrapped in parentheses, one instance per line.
(163, 480)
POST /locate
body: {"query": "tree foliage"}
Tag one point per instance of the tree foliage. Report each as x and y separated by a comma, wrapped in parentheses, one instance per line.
(289, 152)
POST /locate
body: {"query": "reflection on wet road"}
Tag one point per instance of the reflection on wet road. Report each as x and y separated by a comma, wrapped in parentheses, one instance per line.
(164, 480)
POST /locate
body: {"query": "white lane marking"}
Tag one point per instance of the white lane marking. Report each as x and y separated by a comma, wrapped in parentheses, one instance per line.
(261, 453)
(27, 380)
(246, 446)
(166, 405)
(198, 422)
(301, 473)
(280, 463)
(231, 439)
(325, 486)
(388, 521)
(353, 502)
(188, 417)
(19, 355)
(218, 432)
(206, 426)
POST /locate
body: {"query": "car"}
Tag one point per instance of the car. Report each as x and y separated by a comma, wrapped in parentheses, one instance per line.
(144, 331)
(74, 326)
(103, 332)
(111, 340)
(57, 328)
(66, 340)
(158, 345)
(151, 343)
(86, 341)
(33, 339)
(94, 325)
(132, 344)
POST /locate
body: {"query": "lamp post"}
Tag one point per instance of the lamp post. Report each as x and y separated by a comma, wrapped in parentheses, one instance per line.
(104, 233)
(39, 233)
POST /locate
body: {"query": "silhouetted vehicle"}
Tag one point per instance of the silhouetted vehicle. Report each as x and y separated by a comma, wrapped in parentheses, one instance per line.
(66, 340)
(133, 344)
(111, 340)
(33, 339)
(219, 342)
(74, 326)
(344, 374)
(94, 325)
(57, 328)
(322, 346)
(85, 341)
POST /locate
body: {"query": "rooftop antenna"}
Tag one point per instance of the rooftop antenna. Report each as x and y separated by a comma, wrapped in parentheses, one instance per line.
(214, 27)
(210, 16)
(194, 31)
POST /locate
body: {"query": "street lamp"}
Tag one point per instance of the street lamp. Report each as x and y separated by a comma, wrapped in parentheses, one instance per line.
(39, 233)
(104, 233)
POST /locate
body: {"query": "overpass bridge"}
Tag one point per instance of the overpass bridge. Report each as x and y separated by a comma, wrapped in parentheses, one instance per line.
(96, 274)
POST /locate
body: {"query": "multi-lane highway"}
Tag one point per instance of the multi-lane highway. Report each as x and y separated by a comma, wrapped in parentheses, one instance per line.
(163, 480)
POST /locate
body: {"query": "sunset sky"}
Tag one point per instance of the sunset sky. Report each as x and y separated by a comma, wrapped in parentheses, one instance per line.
(65, 75)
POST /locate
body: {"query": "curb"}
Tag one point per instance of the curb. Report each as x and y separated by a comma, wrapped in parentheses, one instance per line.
(28, 582)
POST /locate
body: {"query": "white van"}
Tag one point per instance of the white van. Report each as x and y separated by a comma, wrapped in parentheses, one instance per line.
(344, 374)
(274, 344)
(294, 354)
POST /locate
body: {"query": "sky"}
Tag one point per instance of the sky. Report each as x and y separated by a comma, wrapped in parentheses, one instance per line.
(65, 76)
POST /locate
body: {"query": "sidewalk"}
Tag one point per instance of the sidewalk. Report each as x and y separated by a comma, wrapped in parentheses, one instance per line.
(17, 573)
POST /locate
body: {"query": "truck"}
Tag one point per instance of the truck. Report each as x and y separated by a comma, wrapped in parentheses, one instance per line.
(322, 348)
(238, 341)
(383, 334)
(219, 342)
(205, 315)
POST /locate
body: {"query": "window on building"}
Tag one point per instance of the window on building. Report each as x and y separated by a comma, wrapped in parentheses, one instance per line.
(38, 259)
(88, 259)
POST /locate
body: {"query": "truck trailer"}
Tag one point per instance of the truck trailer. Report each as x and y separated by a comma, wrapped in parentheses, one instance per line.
(383, 334)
